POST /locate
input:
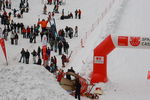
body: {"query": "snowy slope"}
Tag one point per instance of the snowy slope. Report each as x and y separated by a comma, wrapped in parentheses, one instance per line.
(29, 82)
(128, 68)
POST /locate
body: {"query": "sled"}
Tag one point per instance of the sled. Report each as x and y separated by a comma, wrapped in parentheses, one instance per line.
(68, 85)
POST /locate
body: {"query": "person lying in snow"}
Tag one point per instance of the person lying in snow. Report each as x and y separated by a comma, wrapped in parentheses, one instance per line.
(70, 15)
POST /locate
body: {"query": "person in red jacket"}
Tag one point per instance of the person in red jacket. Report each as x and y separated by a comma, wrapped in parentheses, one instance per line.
(43, 24)
(28, 31)
(24, 32)
(49, 2)
(60, 75)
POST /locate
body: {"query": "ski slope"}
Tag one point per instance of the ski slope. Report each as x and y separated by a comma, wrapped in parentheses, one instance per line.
(127, 68)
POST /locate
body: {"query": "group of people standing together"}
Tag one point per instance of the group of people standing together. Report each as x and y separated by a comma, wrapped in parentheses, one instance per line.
(5, 4)
(56, 40)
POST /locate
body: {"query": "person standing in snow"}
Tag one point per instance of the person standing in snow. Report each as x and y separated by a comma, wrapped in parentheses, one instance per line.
(43, 24)
(79, 14)
(14, 12)
(34, 54)
(22, 55)
(78, 88)
(55, 61)
(28, 31)
(16, 39)
(66, 47)
(39, 52)
(60, 45)
(67, 30)
(27, 56)
(76, 31)
(5, 33)
(1, 3)
(24, 32)
(21, 12)
(76, 13)
(12, 36)
(6, 2)
(55, 44)
(70, 33)
(45, 9)
(9, 4)
(48, 52)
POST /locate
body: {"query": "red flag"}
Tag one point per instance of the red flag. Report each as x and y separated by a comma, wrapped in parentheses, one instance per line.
(2, 43)
(44, 55)
(148, 76)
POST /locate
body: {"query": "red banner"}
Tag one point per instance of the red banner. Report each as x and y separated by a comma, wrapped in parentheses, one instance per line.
(2, 43)
(44, 55)
(148, 76)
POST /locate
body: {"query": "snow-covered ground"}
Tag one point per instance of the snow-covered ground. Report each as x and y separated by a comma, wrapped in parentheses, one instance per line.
(127, 68)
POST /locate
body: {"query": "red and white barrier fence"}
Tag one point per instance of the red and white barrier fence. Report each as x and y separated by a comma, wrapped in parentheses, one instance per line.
(97, 22)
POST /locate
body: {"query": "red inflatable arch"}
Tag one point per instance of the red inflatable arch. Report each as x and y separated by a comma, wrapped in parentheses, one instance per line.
(106, 46)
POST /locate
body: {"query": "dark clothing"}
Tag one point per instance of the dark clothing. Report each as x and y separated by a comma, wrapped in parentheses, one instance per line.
(60, 45)
(22, 56)
(78, 88)
(39, 52)
(39, 62)
(76, 13)
(66, 47)
(27, 56)
(48, 68)
(63, 58)
(68, 76)
(34, 53)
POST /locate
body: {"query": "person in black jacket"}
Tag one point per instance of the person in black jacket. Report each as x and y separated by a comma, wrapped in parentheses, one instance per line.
(70, 70)
(39, 51)
(76, 13)
(78, 88)
(22, 55)
(66, 47)
(34, 54)
(60, 45)
(27, 56)
(16, 39)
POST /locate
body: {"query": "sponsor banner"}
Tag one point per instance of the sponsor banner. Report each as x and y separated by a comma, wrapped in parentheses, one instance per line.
(44, 55)
(122, 41)
(98, 59)
(131, 41)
